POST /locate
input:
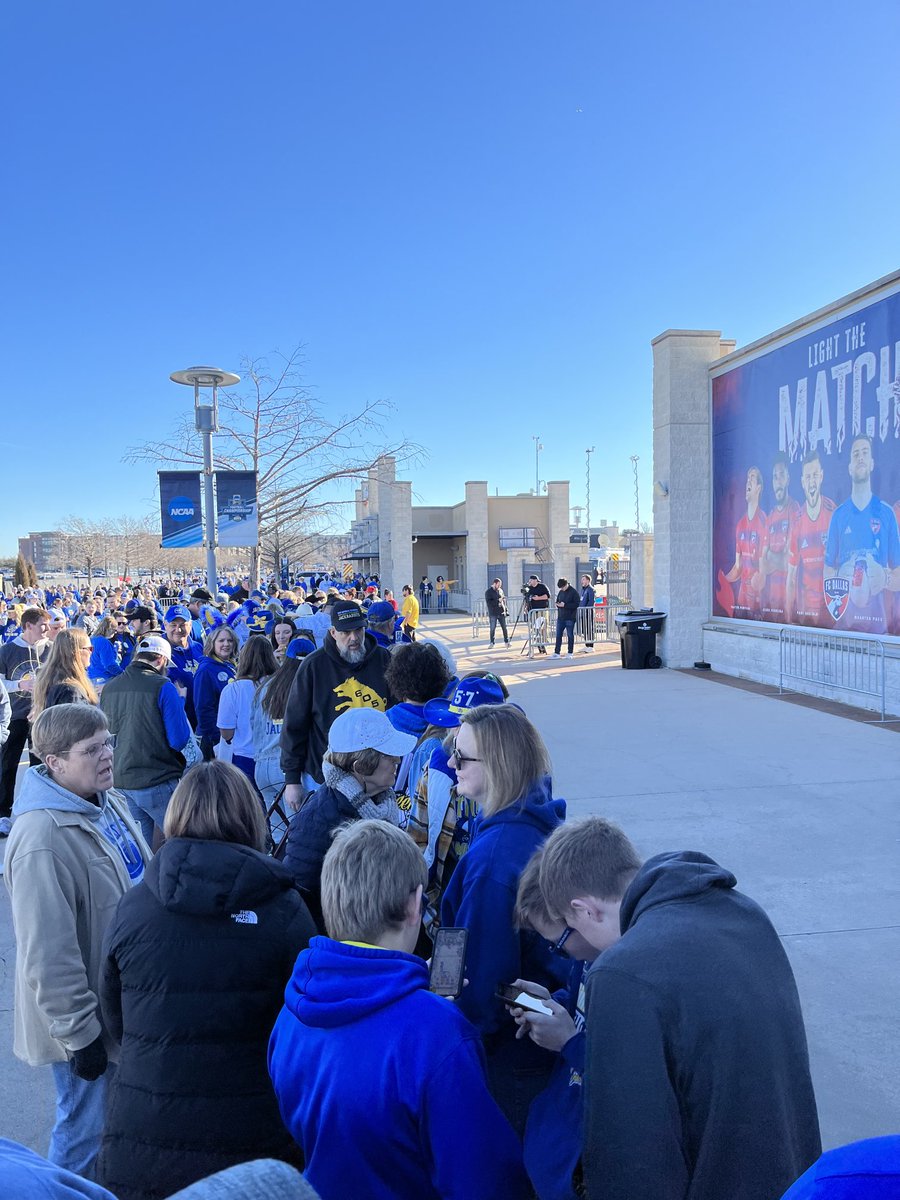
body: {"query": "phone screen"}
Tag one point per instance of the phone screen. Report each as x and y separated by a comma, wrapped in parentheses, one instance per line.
(448, 962)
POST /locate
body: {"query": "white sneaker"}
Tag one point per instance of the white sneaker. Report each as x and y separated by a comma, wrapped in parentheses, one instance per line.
(5, 826)
(556, 654)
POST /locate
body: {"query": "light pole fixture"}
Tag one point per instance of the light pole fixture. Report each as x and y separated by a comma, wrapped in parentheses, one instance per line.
(206, 422)
(538, 447)
(587, 455)
(635, 458)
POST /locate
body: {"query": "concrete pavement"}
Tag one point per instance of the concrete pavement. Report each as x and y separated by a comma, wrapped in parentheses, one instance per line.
(799, 803)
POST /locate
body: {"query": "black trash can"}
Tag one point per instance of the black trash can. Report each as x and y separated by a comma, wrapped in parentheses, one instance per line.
(638, 629)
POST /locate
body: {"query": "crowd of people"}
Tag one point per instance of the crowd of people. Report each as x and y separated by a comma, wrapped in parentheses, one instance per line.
(247, 819)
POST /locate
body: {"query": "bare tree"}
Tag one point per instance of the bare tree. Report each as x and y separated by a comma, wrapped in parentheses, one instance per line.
(275, 426)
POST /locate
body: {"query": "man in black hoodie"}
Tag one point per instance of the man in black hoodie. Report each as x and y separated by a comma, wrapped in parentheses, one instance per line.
(567, 601)
(697, 1083)
(347, 672)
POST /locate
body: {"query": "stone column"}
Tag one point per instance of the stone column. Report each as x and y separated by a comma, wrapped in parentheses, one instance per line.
(401, 533)
(477, 539)
(682, 566)
(642, 570)
(381, 485)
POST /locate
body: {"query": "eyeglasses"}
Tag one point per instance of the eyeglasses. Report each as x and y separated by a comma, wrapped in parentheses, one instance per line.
(462, 759)
(557, 947)
(86, 649)
(94, 752)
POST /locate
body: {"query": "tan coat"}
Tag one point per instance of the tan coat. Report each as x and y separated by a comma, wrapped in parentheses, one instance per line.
(65, 880)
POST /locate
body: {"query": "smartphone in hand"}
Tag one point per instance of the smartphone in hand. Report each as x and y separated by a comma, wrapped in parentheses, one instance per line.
(517, 998)
(448, 962)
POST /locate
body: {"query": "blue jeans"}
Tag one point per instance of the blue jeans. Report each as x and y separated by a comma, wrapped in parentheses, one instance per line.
(148, 806)
(567, 627)
(80, 1114)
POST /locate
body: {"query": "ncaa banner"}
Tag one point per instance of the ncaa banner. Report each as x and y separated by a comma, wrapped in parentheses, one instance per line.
(236, 508)
(179, 502)
(806, 476)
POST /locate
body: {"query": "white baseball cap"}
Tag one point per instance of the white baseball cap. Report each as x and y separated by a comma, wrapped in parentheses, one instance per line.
(368, 729)
(152, 643)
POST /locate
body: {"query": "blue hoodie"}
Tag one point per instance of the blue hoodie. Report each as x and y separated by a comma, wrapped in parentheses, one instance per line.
(868, 1170)
(24, 1175)
(481, 897)
(382, 1083)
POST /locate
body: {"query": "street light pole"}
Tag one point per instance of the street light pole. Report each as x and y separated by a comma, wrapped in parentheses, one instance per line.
(206, 422)
(637, 500)
(538, 447)
(587, 454)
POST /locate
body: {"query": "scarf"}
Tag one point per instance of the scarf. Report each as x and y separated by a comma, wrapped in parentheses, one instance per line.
(380, 807)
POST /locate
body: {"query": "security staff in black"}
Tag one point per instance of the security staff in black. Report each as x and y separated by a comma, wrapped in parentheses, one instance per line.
(538, 598)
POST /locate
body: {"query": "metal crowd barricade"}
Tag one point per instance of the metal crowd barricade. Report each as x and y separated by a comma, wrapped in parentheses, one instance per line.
(460, 601)
(587, 625)
(538, 629)
(836, 660)
(479, 616)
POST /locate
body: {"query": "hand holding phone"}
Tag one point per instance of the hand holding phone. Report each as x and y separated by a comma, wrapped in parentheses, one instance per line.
(517, 997)
(448, 962)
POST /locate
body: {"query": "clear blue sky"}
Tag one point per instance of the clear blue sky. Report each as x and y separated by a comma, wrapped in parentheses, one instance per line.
(482, 210)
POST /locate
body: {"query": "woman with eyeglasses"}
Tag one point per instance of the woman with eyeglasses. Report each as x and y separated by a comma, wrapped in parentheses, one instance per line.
(63, 679)
(359, 768)
(73, 852)
(502, 764)
(195, 965)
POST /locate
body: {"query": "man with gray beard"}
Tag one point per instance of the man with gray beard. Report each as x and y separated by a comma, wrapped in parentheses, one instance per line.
(347, 672)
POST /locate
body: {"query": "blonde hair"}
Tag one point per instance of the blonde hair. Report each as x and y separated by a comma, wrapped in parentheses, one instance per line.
(530, 902)
(590, 857)
(210, 638)
(370, 871)
(216, 801)
(513, 755)
(63, 665)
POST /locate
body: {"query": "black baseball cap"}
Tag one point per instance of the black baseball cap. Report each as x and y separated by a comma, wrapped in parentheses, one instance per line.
(201, 594)
(346, 615)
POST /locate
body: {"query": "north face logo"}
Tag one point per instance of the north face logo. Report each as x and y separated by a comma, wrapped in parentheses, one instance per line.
(245, 917)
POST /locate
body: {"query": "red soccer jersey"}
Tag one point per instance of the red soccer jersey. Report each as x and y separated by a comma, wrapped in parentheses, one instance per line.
(778, 537)
(807, 554)
(749, 538)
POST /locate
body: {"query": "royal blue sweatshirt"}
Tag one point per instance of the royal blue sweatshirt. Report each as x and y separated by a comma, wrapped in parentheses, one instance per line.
(481, 897)
(209, 682)
(382, 1083)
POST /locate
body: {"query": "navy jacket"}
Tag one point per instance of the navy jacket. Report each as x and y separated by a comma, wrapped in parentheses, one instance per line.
(697, 1082)
(309, 836)
(481, 897)
(209, 682)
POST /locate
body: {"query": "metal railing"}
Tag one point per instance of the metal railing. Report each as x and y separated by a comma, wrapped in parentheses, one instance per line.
(836, 660)
(461, 601)
(479, 616)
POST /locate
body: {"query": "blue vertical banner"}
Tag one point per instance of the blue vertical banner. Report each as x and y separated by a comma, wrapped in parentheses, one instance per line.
(179, 502)
(236, 508)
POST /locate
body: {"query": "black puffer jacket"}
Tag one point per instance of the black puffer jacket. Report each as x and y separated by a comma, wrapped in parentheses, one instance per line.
(195, 964)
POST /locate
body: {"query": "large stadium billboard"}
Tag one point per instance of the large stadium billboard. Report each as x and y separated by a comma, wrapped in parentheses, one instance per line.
(806, 473)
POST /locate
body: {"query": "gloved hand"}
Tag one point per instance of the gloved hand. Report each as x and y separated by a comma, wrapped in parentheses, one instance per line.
(91, 1061)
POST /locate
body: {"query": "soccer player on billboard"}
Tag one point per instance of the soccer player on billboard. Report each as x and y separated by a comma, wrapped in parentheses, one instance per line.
(773, 562)
(748, 537)
(862, 551)
(805, 598)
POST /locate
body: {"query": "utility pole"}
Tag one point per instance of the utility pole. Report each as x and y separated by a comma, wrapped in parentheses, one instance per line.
(538, 447)
(637, 499)
(587, 454)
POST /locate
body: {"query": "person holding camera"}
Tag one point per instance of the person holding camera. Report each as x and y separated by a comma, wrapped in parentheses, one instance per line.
(537, 598)
(497, 611)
